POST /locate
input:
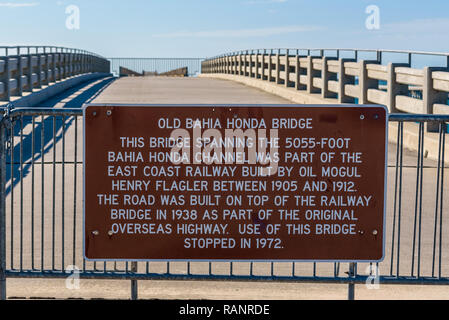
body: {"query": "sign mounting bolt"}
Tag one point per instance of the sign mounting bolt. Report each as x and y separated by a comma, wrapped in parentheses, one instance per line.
(362, 117)
(375, 232)
(109, 113)
(95, 233)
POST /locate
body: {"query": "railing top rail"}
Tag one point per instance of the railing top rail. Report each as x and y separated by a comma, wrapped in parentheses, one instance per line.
(394, 117)
(42, 111)
(268, 50)
(355, 49)
(44, 47)
(399, 117)
(137, 58)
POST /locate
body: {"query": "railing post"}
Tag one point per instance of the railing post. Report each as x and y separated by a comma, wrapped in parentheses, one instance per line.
(226, 64)
(19, 73)
(343, 80)
(251, 64)
(324, 78)
(263, 64)
(430, 97)
(7, 77)
(246, 63)
(278, 67)
(51, 66)
(39, 68)
(30, 71)
(4, 77)
(240, 69)
(287, 68)
(270, 66)
(298, 72)
(2, 211)
(70, 63)
(63, 65)
(257, 65)
(351, 285)
(393, 88)
(311, 73)
(134, 288)
(45, 65)
(365, 83)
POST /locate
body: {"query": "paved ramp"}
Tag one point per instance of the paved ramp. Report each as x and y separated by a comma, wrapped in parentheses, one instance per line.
(153, 90)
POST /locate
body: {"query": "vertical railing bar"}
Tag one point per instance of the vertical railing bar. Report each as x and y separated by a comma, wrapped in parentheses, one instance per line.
(21, 192)
(75, 174)
(437, 195)
(314, 269)
(12, 192)
(400, 197)
(443, 129)
(63, 196)
(420, 201)
(395, 199)
(32, 192)
(416, 199)
(42, 191)
(54, 194)
(3, 211)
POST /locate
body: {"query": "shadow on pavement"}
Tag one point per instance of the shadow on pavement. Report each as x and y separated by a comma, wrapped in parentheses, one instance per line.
(48, 131)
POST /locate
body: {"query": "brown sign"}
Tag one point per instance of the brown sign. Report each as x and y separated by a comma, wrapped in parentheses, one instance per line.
(235, 182)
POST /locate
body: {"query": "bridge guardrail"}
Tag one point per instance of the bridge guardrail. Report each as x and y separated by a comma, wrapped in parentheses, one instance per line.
(24, 68)
(347, 79)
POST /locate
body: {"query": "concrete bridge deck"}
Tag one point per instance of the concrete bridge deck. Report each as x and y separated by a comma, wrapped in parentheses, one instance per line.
(153, 90)
(199, 90)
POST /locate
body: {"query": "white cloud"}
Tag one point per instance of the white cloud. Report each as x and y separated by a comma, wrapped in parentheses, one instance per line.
(18, 5)
(242, 33)
(418, 26)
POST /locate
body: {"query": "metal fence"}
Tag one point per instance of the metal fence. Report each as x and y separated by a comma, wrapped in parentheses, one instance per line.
(159, 65)
(41, 163)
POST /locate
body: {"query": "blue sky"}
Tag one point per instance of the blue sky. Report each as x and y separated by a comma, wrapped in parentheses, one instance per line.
(201, 28)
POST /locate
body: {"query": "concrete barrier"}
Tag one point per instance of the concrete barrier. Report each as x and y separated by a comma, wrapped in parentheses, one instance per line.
(342, 80)
(431, 143)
